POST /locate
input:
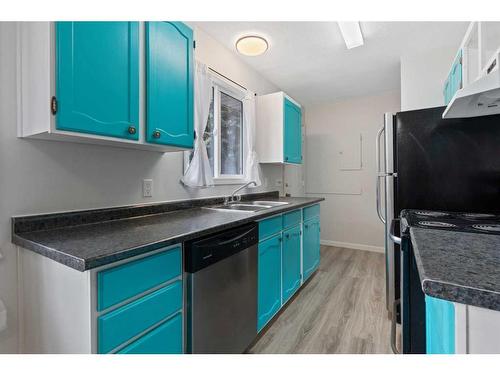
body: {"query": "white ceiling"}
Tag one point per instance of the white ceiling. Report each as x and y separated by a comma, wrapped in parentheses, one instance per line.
(310, 62)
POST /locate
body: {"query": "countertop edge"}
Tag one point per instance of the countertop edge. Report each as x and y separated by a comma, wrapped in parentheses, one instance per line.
(81, 264)
(457, 293)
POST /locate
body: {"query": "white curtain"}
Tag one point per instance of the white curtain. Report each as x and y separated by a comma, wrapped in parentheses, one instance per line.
(199, 173)
(252, 167)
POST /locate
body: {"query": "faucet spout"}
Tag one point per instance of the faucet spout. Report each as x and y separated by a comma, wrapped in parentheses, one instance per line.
(233, 196)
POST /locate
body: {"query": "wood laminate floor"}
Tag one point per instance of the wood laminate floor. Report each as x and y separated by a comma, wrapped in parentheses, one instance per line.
(340, 310)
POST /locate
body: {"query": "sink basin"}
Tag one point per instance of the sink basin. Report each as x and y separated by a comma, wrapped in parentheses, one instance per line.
(269, 203)
(242, 207)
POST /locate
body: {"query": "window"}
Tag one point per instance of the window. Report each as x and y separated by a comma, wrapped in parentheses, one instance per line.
(224, 133)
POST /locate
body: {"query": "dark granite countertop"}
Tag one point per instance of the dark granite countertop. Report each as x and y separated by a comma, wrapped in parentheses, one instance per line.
(86, 246)
(458, 266)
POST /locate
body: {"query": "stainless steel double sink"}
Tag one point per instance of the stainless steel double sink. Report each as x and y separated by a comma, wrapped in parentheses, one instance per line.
(252, 206)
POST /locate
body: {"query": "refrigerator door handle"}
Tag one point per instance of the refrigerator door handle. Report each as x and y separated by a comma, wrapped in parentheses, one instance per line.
(379, 174)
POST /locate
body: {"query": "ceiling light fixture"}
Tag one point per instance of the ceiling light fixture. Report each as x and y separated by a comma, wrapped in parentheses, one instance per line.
(252, 45)
(351, 31)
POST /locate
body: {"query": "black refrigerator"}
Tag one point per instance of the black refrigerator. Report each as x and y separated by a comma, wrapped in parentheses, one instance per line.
(429, 163)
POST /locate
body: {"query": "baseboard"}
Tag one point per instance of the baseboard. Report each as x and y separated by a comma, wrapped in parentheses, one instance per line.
(357, 246)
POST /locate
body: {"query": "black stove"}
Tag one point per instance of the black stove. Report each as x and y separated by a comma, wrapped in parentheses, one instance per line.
(454, 221)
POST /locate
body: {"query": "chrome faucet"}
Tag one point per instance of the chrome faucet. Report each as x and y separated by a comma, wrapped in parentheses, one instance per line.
(233, 197)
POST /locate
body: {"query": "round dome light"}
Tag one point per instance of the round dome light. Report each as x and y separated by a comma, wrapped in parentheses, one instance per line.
(252, 45)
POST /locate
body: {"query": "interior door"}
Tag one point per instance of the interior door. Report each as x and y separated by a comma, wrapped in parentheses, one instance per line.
(97, 78)
(169, 79)
(292, 133)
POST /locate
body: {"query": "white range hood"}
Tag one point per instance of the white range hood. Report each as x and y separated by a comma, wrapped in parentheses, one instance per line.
(480, 98)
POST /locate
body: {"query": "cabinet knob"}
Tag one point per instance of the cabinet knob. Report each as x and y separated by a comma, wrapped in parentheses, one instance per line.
(286, 157)
(307, 226)
(131, 130)
(156, 134)
(287, 235)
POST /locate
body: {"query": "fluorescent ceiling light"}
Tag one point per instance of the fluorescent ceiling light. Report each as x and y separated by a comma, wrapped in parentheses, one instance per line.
(352, 34)
(252, 45)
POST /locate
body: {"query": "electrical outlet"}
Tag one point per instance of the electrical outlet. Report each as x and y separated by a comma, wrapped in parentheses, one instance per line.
(147, 188)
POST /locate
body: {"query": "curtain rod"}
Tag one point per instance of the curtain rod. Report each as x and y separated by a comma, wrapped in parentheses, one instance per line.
(229, 79)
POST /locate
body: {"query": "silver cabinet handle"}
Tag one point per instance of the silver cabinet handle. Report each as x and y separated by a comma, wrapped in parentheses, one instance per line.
(394, 346)
(379, 175)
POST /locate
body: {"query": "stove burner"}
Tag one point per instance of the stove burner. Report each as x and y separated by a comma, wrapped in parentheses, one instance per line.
(477, 216)
(437, 224)
(431, 213)
(487, 227)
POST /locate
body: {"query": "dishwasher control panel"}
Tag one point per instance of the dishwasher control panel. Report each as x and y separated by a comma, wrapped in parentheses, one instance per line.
(203, 252)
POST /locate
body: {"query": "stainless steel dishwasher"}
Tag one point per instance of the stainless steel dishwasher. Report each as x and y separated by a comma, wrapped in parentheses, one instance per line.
(222, 291)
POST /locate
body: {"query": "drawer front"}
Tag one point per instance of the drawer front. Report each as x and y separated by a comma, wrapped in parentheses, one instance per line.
(311, 212)
(122, 324)
(270, 226)
(292, 218)
(165, 339)
(117, 284)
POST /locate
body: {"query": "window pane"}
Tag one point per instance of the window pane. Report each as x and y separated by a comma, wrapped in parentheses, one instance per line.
(231, 135)
(208, 137)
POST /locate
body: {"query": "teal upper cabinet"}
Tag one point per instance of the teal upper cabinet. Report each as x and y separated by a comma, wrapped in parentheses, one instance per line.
(292, 132)
(311, 246)
(279, 129)
(97, 78)
(291, 277)
(454, 81)
(439, 326)
(269, 279)
(169, 81)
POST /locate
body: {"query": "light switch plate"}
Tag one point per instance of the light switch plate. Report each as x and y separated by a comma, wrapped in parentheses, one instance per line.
(147, 188)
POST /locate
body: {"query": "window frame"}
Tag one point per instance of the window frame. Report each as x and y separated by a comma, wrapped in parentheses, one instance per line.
(219, 85)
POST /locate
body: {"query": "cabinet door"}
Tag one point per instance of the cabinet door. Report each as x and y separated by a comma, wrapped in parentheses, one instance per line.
(292, 132)
(311, 247)
(439, 326)
(269, 280)
(97, 78)
(169, 80)
(165, 339)
(291, 262)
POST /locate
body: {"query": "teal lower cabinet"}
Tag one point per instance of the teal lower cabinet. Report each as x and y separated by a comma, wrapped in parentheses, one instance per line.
(269, 280)
(311, 247)
(291, 275)
(140, 305)
(440, 326)
(165, 339)
(287, 257)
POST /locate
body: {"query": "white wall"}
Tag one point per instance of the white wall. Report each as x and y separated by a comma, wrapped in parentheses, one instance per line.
(348, 216)
(423, 76)
(46, 176)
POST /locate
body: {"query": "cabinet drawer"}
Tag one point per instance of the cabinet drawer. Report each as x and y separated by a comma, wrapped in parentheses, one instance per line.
(117, 284)
(311, 212)
(270, 226)
(124, 323)
(292, 218)
(165, 339)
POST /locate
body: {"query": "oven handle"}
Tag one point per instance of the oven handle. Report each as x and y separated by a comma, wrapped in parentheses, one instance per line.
(394, 238)
(394, 346)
